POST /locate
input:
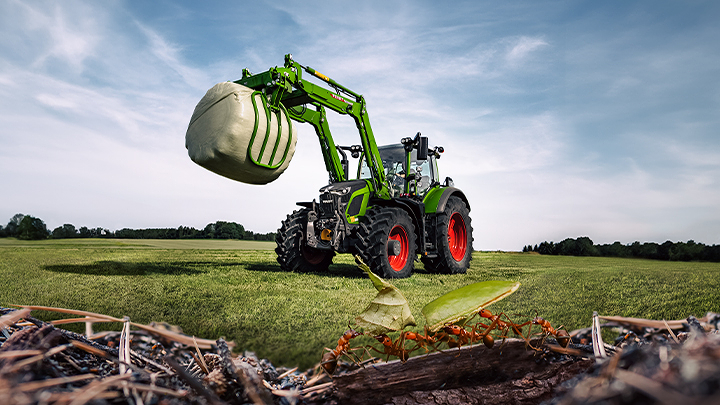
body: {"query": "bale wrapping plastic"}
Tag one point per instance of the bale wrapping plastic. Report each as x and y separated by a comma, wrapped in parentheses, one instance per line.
(233, 133)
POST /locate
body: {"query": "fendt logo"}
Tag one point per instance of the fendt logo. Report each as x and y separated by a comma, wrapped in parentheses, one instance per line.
(338, 98)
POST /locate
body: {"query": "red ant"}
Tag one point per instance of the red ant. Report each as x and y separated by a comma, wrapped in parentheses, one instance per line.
(330, 359)
(425, 340)
(396, 348)
(561, 335)
(464, 336)
(502, 326)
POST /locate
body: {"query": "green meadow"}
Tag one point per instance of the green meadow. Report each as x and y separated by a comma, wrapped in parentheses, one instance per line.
(236, 290)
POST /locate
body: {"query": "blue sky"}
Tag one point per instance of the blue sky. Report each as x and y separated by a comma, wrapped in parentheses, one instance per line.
(559, 118)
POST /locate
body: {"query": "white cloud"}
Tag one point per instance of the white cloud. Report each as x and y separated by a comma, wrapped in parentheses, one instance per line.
(522, 48)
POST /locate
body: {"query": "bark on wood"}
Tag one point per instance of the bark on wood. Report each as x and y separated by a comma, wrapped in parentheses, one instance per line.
(471, 375)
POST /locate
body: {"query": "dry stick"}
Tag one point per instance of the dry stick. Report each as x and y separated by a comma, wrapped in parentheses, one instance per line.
(675, 338)
(156, 390)
(598, 344)
(96, 388)
(11, 354)
(193, 382)
(12, 317)
(100, 353)
(36, 385)
(63, 398)
(77, 320)
(202, 363)
(315, 379)
(316, 388)
(287, 373)
(177, 337)
(88, 327)
(645, 323)
(152, 362)
(55, 350)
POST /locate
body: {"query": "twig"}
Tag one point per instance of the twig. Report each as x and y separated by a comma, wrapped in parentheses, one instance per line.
(55, 350)
(287, 373)
(9, 319)
(95, 388)
(11, 354)
(193, 382)
(202, 363)
(177, 337)
(645, 323)
(598, 344)
(675, 338)
(36, 385)
(316, 388)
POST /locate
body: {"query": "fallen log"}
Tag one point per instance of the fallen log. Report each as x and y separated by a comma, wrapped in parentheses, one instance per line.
(471, 374)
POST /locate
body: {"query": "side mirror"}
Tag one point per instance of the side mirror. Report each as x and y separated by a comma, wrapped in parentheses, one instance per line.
(422, 148)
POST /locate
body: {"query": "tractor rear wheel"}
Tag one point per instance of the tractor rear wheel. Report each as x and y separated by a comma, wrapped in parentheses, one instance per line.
(386, 241)
(293, 254)
(454, 239)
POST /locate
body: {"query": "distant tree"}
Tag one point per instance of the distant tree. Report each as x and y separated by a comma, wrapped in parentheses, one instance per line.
(64, 232)
(32, 228)
(84, 232)
(11, 229)
(617, 249)
(568, 247)
(547, 248)
(126, 233)
(185, 232)
(209, 231)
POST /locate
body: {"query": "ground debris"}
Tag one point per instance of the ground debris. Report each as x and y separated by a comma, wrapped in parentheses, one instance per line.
(652, 365)
(42, 364)
(650, 362)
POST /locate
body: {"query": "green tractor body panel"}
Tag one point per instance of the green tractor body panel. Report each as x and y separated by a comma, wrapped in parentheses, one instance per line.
(438, 196)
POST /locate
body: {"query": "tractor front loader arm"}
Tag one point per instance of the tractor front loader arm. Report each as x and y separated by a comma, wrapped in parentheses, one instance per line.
(285, 85)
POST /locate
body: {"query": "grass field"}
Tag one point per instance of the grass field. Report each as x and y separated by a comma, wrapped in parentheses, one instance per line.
(235, 289)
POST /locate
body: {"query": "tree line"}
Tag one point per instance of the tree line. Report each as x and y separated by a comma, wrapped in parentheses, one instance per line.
(674, 251)
(28, 227)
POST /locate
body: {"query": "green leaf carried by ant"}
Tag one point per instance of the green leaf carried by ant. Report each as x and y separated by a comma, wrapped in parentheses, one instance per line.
(460, 304)
(388, 311)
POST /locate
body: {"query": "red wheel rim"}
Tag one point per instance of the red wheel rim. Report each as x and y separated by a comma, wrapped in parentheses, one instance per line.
(457, 236)
(312, 255)
(397, 262)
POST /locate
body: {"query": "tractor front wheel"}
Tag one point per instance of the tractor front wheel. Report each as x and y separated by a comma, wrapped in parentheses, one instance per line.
(454, 239)
(386, 242)
(293, 254)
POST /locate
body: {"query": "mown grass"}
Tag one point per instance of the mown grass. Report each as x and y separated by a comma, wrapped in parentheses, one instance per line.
(217, 290)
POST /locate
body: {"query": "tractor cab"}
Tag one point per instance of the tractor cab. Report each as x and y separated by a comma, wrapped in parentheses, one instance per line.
(423, 172)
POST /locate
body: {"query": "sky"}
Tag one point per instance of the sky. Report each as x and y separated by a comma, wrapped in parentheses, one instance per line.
(559, 119)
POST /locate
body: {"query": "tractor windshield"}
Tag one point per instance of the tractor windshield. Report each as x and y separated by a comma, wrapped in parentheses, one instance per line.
(393, 160)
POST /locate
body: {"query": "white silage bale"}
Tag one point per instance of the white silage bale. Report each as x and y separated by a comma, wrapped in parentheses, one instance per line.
(228, 134)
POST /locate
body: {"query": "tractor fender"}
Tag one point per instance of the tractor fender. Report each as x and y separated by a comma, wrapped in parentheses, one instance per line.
(436, 199)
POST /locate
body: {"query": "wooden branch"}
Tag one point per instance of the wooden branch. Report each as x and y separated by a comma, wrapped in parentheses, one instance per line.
(472, 369)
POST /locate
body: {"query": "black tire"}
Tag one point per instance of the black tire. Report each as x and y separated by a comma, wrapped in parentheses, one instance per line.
(292, 253)
(377, 227)
(454, 239)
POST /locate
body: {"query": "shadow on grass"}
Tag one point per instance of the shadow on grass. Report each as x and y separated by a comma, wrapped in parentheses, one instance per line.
(115, 268)
(335, 270)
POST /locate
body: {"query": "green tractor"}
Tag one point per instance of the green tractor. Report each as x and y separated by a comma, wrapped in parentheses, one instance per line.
(389, 210)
